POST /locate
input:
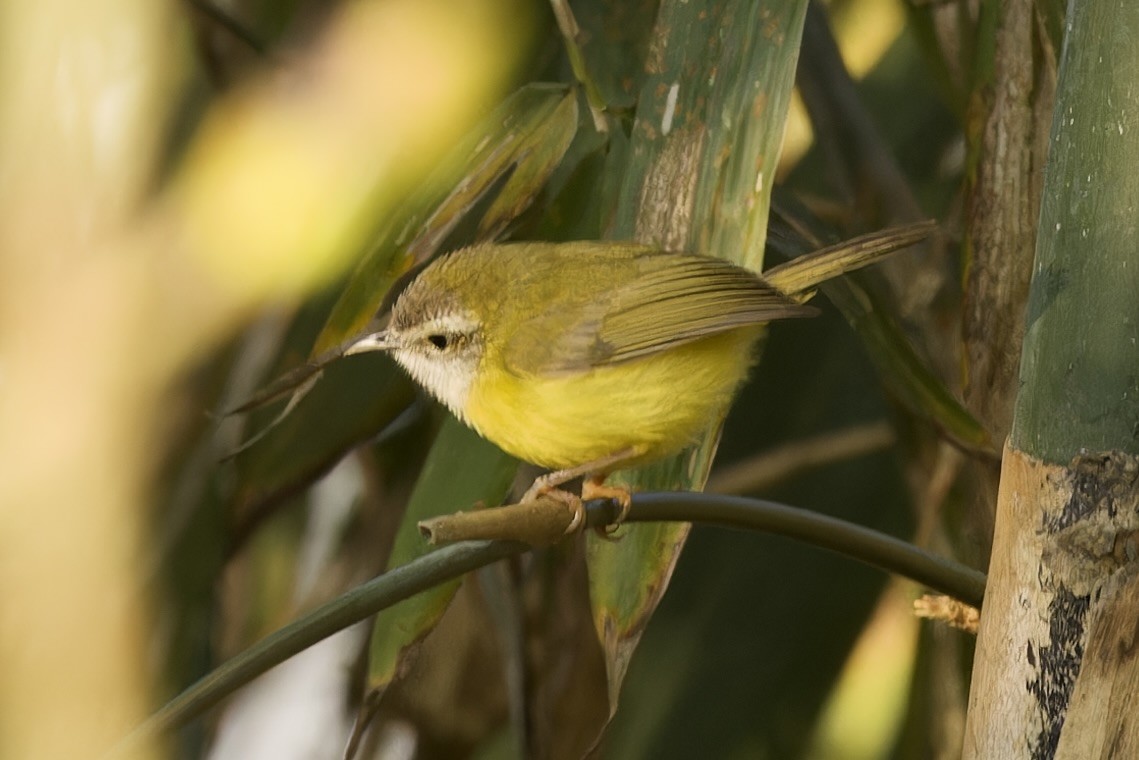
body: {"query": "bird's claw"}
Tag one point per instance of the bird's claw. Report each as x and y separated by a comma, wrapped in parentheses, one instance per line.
(572, 501)
(592, 489)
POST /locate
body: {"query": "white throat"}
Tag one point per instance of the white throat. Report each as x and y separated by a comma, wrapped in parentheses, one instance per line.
(442, 353)
(447, 378)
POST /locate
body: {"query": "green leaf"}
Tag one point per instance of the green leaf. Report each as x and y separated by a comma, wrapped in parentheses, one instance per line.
(351, 402)
(911, 381)
(702, 163)
(538, 155)
(614, 42)
(461, 471)
(529, 132)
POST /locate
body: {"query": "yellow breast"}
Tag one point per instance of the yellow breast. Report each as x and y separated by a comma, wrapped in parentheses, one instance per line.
(654, 405)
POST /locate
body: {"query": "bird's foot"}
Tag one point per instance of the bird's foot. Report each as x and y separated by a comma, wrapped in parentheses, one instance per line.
(547, 487)
(594, 488)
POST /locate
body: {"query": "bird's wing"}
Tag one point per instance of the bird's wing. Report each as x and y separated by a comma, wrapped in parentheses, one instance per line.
(671, 299)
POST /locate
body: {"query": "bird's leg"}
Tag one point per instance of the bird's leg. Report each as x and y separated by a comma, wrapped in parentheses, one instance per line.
(551, 480)
(547, 485)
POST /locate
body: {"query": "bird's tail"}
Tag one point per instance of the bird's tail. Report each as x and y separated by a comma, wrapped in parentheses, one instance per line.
(798, 278)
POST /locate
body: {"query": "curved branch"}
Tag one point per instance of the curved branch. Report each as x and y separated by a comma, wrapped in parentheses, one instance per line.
(855, 541)
(866, 545)
(349, 608)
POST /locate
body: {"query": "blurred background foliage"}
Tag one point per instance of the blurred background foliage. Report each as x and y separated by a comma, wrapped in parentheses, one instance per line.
(308, 155)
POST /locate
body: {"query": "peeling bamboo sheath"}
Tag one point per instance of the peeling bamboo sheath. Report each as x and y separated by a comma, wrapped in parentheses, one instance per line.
(1057, 662)
(538, 523)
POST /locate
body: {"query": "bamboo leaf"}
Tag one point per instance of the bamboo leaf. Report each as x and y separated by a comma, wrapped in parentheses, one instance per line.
(526, 133)
(701, 165)
(538, 154)
(910, 380)
(461, 471)
(900, 367)
(351, 402)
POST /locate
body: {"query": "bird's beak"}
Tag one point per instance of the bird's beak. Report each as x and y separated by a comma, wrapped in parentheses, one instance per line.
(379, 341)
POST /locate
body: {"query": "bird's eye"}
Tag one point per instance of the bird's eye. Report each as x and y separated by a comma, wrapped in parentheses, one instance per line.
(439, 341)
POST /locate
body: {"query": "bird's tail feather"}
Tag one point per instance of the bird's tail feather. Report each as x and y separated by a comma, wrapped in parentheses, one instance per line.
(798, 277)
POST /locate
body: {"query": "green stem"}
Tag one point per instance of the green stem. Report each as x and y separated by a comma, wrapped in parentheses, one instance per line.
(571, 35)
(1079, 383)
(345, 610)
(855, 541)
(860, 543)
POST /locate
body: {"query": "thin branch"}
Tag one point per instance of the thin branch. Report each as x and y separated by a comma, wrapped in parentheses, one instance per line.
(571, 35)
(358, 604)
(772, 466)
(949, 611)
(855, 541)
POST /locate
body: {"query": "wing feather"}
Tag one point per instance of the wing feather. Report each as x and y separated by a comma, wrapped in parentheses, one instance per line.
(670, 299)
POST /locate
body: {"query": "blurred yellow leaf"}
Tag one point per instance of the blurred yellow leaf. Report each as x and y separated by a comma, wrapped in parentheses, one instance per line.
(283, 179)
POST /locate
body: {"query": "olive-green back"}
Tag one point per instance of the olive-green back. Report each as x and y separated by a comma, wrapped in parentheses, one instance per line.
(591, 304)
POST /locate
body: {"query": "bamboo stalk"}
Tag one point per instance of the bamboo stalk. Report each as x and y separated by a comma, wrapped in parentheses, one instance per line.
(1055, 674)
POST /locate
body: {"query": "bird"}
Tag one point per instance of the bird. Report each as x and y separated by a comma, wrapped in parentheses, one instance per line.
(590, 356)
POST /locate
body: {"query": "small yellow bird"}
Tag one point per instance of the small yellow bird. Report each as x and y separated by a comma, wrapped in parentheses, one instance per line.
(587, 357)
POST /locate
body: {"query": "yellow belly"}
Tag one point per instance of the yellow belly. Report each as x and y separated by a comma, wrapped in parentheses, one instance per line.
(654, 406)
